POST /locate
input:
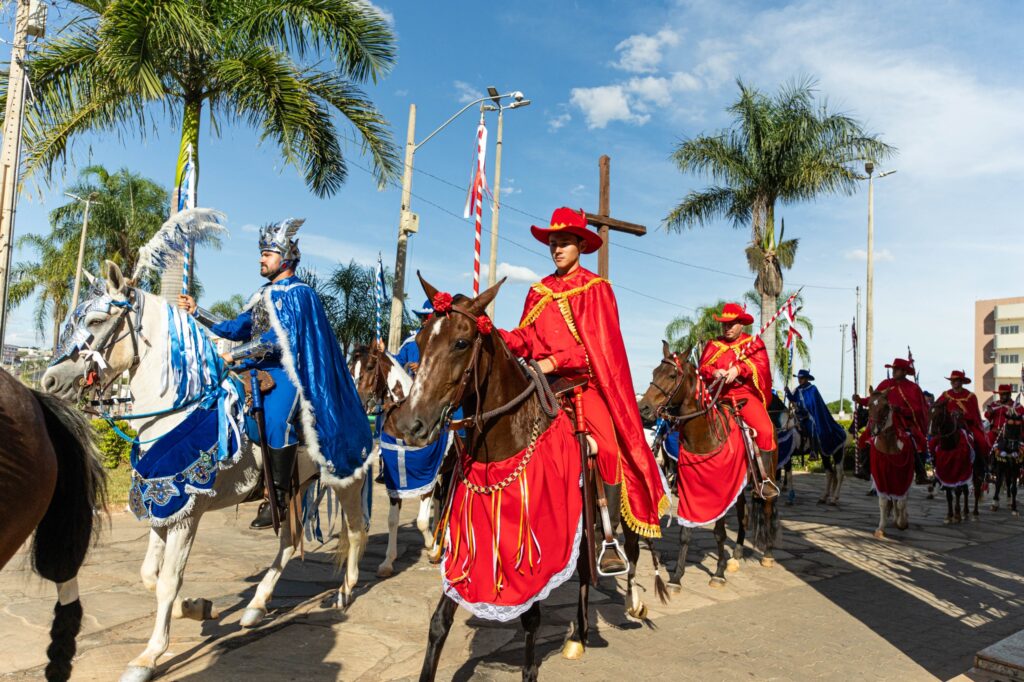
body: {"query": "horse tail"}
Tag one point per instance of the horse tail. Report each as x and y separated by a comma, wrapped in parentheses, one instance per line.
(660, 588)
(765, 531)
(63, 536)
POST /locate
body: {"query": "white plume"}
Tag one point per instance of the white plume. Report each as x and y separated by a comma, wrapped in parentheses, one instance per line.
(191, 226)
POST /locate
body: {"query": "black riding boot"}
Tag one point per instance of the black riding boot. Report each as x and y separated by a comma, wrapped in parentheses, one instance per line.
(281, 462)
(921, 476)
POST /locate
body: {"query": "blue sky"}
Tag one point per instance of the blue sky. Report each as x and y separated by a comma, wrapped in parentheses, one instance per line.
(940, 81)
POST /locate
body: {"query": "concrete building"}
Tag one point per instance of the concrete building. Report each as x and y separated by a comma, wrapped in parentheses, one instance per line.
(998, 345)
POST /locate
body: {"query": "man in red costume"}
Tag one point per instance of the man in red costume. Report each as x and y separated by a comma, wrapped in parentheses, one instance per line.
(959, 398)
(910, 410)
(741, 361)
(999, 410)
(570, 325)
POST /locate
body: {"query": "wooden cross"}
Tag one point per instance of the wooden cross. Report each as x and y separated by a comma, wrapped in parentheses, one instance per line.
(603, 222)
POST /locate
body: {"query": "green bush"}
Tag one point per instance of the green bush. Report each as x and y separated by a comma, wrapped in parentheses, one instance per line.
(113, 449)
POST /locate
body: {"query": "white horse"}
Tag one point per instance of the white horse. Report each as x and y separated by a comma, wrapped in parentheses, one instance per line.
(132, 336)
(379, 376)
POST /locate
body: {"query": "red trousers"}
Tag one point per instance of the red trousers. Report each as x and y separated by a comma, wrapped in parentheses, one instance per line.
(599, 423)
(756, 417)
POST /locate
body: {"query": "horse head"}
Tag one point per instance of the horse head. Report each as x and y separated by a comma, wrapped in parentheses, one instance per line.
(673, 382)
(100, 341)
(944, 419)
(457, 344)
(378, 378)
(879, 412)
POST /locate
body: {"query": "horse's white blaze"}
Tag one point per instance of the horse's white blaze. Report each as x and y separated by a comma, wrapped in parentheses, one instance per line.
(357, 370)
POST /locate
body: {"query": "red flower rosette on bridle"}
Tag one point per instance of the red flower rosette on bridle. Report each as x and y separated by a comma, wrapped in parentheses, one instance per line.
(442, 303)
(484, 325)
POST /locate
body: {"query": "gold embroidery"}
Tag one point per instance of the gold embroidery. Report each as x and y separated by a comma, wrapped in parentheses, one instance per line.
(723, 348)
(547, 295)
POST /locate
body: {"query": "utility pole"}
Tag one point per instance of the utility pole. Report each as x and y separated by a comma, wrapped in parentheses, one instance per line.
(859, 390)
(870, 284)
(10, 156)
(408, 222)
(492, 262)
(842, 366)
(81, 249)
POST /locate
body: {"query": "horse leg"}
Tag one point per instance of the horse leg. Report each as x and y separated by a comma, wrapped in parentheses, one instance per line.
(423, 520)
(718, 579)
(733, 564)
(176, 551)
(883, 514)
(440, 626)
(902, 517)
(351, 551)
(154, 556)
(386, 568)
(685, 533)
(67, 623)
(531, 623)
(635, 607)
(998, 484)
(1011, 487)
(840, 475)
(826, 460)
(770, 518)
(256, 610)
(949, 505)
(576, 643)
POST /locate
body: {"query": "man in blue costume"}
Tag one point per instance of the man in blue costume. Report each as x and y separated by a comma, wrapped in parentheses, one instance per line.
(815, 419)
(408, 355)
(285, 333)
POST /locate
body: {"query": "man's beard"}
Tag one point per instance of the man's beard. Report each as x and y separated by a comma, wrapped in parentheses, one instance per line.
(265, 271)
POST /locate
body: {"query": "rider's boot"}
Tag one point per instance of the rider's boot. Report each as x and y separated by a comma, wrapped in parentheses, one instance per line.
(263, 517)
(768, 492)
(921, 477)
(281, 462)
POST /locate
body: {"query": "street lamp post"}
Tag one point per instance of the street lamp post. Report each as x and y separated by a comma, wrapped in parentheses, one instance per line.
(409, 222)
(81, 245)
(869, 318)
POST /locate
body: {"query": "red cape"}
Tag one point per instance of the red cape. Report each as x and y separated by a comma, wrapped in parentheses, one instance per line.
(746, 353)
(593, 317)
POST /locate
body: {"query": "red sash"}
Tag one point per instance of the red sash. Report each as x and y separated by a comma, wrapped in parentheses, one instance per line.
(893, 474)
(507, 548)
(954, 467)
(709, 484)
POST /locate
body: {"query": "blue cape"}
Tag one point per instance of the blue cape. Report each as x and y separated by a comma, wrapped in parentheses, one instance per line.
(819, 420)
(335, 428)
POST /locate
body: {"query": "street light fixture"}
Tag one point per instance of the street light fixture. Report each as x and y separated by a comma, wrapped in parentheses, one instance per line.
(81, 243)
(869, 168)
(409, 222)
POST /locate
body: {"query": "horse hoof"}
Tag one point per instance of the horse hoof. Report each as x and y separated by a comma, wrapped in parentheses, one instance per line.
(903, 526)
(434, 555)
(137, 673)
(675, 587)
(385, 571)
(716, 582)
(994, 507)
(948, 520)
(732, 565)
(252, 617)
(345, 599)
(637, 614)
(822, 500)
(573, 650)
(879, 535)
(1015, 514)
(767, 562)
(833, 503)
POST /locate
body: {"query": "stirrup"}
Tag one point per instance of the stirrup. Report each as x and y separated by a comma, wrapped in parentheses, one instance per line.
(614, 545)
(760, 489)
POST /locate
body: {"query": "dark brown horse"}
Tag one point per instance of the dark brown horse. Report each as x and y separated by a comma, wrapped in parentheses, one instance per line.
(946, 427)
(673, 394)
(463, 366)
(51, 482)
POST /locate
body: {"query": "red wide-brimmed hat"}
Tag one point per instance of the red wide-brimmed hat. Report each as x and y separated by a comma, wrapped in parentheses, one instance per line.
(959, 374)
(734, 312)
(567, 221)
(900, 363)
(1005, 388)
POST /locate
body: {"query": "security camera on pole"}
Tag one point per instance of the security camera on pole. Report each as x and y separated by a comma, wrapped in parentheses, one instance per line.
(408, 222)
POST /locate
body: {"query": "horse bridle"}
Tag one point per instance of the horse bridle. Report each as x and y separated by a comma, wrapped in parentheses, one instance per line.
(674, 361)
(955, 421)
(98, 354)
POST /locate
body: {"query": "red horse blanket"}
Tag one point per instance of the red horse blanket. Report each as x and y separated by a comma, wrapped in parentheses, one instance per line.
(514, 526)
(709, 483)
(954, 467)
(893, 474)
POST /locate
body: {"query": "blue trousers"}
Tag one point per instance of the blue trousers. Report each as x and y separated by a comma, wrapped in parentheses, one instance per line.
(281, 409)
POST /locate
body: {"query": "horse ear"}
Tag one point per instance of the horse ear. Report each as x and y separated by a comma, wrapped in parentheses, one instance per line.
(89, 277)
(428, 288)
(666, 352)
(115, 278)
(480, 303)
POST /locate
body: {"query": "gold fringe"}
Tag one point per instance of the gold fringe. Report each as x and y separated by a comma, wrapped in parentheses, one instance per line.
(643, 529)
(547, 295)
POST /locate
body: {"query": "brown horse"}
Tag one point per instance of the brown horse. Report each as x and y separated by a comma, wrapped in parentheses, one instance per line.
(889, 452)
(673, 393)
(51, 482)
(946, 428)
(463, 366)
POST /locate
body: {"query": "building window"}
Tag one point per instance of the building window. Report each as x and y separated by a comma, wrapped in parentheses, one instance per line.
(1009, 358)
(1010, 329)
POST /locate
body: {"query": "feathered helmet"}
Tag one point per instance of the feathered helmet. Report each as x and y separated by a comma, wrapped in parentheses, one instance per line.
(280, 238)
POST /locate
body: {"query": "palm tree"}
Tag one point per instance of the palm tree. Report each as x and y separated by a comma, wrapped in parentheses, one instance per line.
(780, 356)
(787, 148)
(686, 333)
(352, 287)
(284, 67)
(49, 278)
(230, 308)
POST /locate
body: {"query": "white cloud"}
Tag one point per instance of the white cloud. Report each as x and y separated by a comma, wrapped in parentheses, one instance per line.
(249, 227)
(334, 250)
(881, 255)
(577, 190)
(560, 121)
(642, 53)
(604, 104)
(466, 92)
(514, 273)
(508, 187)
(386, 15)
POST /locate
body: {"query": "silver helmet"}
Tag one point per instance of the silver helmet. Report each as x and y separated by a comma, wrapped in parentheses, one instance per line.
(280, 238)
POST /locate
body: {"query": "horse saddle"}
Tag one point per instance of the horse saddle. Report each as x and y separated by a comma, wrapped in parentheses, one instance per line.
(562, 385)
(266, 385)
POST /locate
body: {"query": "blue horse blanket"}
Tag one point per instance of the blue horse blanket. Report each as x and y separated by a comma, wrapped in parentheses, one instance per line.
(411, 472)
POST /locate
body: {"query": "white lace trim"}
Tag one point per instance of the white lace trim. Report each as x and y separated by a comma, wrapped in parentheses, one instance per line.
(698, 524)
(888, 496)
(405, 494)
(505, 613)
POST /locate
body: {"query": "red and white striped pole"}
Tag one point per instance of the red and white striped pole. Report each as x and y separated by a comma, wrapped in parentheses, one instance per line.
(475, 201)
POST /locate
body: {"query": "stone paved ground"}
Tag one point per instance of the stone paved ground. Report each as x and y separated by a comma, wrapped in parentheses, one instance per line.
(839, 605)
